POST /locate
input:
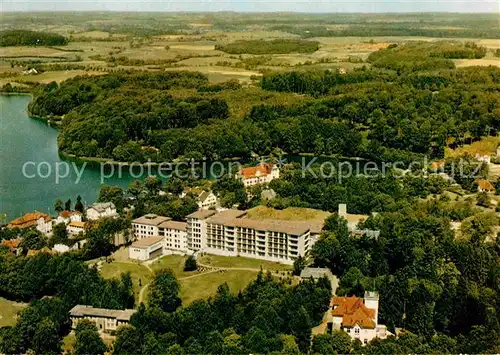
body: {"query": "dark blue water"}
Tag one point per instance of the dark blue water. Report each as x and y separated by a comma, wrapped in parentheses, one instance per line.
(33, 144)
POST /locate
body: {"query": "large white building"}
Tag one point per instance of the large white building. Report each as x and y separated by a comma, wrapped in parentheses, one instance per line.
(173, 235)
(358, 317)
(147, 226)
(260, 174)
(230, 233)
(102, 209)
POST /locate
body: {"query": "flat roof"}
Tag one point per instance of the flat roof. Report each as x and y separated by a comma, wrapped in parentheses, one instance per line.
(151, 220)
(174, 225)
(226, 216)
(146, 242)
(89, 311)
(201, 214)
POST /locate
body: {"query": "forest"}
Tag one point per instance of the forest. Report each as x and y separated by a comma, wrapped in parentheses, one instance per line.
(276, 46)
(31, 38)
(442, 289)
(411, 102)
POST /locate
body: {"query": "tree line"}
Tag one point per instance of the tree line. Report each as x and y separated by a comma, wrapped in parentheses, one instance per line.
(31, 38)
(276, 46)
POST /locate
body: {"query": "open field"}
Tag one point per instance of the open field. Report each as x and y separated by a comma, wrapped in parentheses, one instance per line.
(240, 262)
(8, 312)
(206, 285)
(140, 274)
(194, 284)
(57, 76)
(485, 146)
(289, 214)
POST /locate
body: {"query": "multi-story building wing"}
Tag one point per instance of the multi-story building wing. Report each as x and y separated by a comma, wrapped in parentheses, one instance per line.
(230, 233)
(174, 236)
(196, 229)
(147, 226)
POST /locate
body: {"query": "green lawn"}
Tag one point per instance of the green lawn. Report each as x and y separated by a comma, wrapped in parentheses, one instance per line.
(8, 312)
(199, 286)
(206, 285)
(137, 271)
(175, 263)
(241, 262)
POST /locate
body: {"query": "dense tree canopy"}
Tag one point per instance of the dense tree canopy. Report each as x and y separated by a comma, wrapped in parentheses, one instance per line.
(31, 38)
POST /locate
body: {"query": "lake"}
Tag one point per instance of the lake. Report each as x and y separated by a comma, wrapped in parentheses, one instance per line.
(32, 144)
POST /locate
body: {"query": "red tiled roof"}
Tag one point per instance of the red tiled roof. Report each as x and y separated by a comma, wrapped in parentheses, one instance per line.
(353, 311)
(263, 169)
(485, 185)
(67, 214)
(28, 220)
(12, 244)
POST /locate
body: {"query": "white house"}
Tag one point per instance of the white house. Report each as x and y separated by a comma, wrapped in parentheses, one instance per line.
(104, 319)
(40, 221)
(206, 200)
(147, 226)
(358, 317)
(102, 209)
(75, 228)
(60, 248)
(145, 249)
(260, 174)
(174, 237)
(483, 158)
(68, 216)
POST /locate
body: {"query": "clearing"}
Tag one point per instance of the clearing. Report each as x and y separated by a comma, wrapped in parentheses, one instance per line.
(241, 263)
(487, 145)
(8, 312)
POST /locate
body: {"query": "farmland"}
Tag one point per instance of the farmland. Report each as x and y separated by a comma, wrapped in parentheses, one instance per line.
(223, 48)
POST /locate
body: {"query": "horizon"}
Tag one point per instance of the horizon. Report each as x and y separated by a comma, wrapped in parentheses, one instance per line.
(258, 6)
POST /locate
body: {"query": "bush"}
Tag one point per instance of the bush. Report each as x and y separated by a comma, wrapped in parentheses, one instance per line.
(190, 264)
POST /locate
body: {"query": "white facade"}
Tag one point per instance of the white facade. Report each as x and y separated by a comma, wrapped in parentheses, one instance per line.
(44, 225)
(67, 217)
(196, 229)
(207, 200)
(99, 210)
(174, 237)
(104, 319)
(147, 226)
(261, 174)
(358, 317)
(75, 228)
(60, 248)
(230, 233)
(146, 249)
